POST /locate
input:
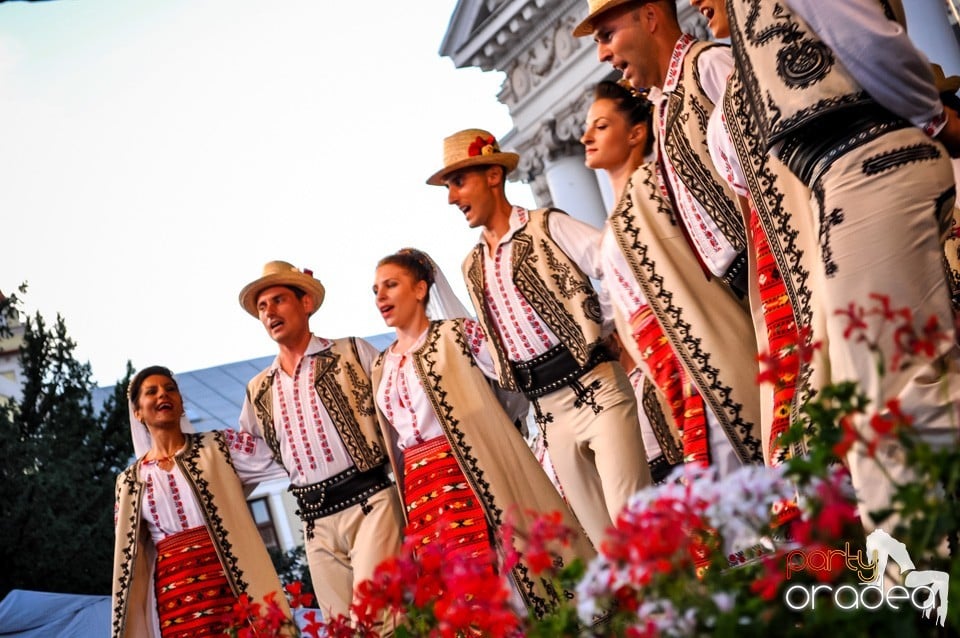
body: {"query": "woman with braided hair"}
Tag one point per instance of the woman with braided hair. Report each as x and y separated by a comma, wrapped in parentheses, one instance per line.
(462, 467)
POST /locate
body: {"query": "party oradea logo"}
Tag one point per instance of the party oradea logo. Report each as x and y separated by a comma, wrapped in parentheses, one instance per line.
(925, 590)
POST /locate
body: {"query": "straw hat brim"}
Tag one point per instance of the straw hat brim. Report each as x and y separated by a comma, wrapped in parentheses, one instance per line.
(586, 27)
(306, 283)
(943, 83)
(507, 160)
(949, 85)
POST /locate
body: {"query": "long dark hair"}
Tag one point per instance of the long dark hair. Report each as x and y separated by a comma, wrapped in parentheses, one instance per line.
(133, 390)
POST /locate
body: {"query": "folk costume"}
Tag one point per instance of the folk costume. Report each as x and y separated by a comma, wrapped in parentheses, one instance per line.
(782, 261)
(654, 425)
(704, 322)
(186, 543)
(682, 240)
(320, 423)
(857, 131)
(545, 325)
(463, 468)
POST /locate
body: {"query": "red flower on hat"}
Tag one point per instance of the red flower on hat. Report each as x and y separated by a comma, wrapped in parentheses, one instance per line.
(307, 271)
(482, 146)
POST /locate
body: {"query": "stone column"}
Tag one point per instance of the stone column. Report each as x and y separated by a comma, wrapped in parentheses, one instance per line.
(606, 191)
(574, 188)
(551, 161)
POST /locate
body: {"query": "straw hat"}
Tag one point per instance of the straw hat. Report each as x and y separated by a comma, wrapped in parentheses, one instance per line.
(944, 84)
(472, 147)
(280, 273)
(595, 8)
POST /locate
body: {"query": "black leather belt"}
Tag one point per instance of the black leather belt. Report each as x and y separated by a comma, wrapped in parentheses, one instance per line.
(810, 151)
(338, 492)
(660, 469)
(736, 275)
(554, 369)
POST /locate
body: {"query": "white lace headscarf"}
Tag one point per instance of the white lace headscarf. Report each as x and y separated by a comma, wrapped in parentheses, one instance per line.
(142, 441)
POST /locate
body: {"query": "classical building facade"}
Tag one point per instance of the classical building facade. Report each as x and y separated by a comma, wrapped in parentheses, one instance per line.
(11, 374)
(549, 75)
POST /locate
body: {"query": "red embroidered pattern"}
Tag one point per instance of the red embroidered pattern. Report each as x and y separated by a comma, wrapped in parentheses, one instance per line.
(476, 338)
(506, 299)
(396, 387)
(687, 407)
(317, 419)
(242, 442)
(782, 333)
(177, 501)
(288, 427)
(152, 502)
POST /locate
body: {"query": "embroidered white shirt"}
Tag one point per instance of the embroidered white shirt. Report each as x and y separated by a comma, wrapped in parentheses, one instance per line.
(879, 55)
(402, 399)
(714, 65)
(623, 288)
(723, 153)
(310, 445)
(523, 333)
(169, 504)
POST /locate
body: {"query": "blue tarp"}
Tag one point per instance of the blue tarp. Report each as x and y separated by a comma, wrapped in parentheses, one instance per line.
(37, 614)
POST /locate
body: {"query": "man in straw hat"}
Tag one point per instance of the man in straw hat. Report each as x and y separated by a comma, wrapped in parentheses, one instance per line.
(314, 407)
(529, 280)
(692, 262)
(863, 132)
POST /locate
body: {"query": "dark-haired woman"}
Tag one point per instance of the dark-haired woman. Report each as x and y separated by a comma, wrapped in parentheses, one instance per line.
(462, 467)
(186, 544)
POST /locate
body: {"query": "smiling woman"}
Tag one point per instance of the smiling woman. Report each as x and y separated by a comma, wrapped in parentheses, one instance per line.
(186, 544)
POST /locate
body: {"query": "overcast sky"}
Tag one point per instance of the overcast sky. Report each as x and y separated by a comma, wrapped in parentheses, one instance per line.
(155, 153)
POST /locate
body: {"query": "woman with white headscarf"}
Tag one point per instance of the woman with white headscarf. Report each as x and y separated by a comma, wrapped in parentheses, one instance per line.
(462, 467)
(186, 544)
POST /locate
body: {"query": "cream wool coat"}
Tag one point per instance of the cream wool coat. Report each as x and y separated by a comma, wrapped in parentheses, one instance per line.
(709, 329)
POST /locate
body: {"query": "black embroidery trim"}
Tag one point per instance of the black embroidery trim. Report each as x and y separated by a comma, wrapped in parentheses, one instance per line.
(128, 488)
(547, 305)
(360, 385)
(777, 225)
(801, 61)
(623, 221)
(571, 283)
(263, 405)
(426, 361)
(650, 404)
(944, 205)
(328, 375)
(686, 146)
(810, 67)
(890, 160)
(827, 221)
(475, 286)
(586, 395)
(190, 463)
